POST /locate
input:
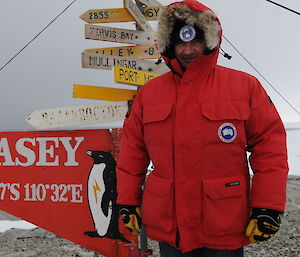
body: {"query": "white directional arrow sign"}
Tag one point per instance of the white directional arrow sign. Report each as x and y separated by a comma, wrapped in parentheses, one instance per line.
(106, 62)
(78, 115)
(103, 33)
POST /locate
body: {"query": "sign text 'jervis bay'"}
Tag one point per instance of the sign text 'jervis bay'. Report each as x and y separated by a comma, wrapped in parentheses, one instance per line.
(102, 33)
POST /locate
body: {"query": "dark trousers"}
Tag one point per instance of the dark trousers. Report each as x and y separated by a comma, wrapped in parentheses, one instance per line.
(169, 251)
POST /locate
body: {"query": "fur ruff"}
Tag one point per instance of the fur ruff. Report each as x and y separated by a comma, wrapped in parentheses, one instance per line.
(206, 21)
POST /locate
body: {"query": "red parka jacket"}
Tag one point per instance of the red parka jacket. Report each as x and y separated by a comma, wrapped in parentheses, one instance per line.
(196, 127)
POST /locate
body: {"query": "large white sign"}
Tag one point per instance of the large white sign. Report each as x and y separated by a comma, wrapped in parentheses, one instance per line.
(78, 115)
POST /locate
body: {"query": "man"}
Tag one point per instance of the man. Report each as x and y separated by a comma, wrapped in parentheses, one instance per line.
(196, 123)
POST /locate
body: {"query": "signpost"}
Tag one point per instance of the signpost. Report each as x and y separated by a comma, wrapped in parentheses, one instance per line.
(103, 93)
(118, 14)
(78, 115)
(131, 76)
(127, 36)
(66, 168)
(138, 51)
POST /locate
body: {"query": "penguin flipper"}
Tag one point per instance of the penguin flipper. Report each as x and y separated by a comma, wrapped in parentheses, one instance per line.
(105, 203)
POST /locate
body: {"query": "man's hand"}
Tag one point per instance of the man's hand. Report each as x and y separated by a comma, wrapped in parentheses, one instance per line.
(131, 216)
(264, 223)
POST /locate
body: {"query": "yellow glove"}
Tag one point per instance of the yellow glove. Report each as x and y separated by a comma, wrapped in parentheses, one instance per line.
(131, 217)
(263, 225)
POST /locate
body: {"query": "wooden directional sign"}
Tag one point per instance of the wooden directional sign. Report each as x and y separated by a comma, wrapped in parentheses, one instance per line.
(150, 2)
(117, 15)
(131, 76)
(141, 21)
(104, 62)
(127, 36)
(78, 115)
(103, 93)
(138, 51)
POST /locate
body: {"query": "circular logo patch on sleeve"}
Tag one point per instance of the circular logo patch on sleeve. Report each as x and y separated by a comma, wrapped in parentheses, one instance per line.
(227, 132)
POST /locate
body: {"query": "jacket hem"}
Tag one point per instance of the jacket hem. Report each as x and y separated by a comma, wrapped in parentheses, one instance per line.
(159, 237)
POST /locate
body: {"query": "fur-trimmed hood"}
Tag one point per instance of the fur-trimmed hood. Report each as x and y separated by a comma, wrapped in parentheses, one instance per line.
(192, 13)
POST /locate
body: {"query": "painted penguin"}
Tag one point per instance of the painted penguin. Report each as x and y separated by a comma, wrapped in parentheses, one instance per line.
(102, 196)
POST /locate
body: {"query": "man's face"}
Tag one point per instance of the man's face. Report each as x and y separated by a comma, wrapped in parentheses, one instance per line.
(185, 52)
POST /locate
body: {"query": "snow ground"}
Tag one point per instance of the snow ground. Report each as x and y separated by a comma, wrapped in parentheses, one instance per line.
(19, 224)
(293, 143)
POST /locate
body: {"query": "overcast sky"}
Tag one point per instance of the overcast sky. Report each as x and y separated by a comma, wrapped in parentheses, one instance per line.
(42, 76)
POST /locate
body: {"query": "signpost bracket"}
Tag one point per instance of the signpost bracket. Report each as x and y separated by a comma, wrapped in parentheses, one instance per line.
(141, 6)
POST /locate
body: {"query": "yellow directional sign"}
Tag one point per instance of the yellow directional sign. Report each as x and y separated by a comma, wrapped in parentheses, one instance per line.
(131, 76)
(139, 51)
(117, 15)
(103, 93)
(118, 35)
(136, 13)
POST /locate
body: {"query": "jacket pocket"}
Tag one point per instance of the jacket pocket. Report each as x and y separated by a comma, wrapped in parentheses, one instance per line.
(225, 122)
(157, 123)
(158, 204)
(229, 110)
(225, 205)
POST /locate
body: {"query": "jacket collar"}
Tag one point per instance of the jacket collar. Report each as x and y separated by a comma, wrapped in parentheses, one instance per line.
(201, 66)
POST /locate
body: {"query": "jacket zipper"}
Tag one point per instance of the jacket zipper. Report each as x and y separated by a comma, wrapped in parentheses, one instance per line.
(177, 239)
